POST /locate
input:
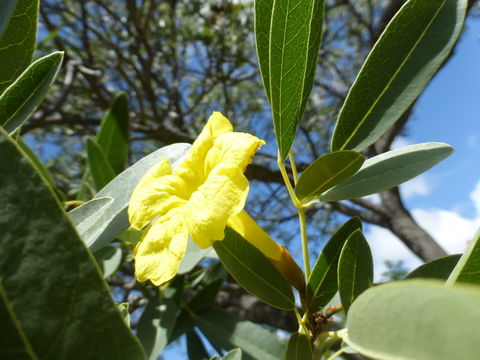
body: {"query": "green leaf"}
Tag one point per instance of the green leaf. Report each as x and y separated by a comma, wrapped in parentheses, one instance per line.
(86, 217)
(7, 7)
(113, 134)
(195, 348)
(400, 65)
(323, 284)
(43, 258)
(467, 269)
(227, 331)
(389, 169)
(109, 259)
(157, 322)
(235, 354)
(436, 269)
(416, 320)
(355, 269)
(326, 172)
(17, 47)
(100, 169)
(253, 271)
(23, 96)
(288, 35)
(298, 348)
(115, 220)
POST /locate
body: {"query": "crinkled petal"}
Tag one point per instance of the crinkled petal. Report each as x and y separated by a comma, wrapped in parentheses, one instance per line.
(232, 150)
(160, 251)
(216, 125)
(221, 196)
(243, 224)
(157, 192)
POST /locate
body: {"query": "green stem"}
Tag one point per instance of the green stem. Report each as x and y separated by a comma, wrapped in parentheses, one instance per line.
(301, 212)
(303, 233)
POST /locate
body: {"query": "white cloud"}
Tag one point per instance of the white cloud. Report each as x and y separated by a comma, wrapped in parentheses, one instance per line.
(475, 196)
(400, 142)
(419, 186)
(448, 227)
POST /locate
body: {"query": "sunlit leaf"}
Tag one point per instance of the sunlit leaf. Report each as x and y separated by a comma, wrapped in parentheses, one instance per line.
(467, 269)
(288, 35)
(323, 281)
(406, 56)
(436, 269)
(23, 96)
(389, 169)
(355, 269)
(254, 271)
(326, 172)
(17, 47)
(416, 320)
(298, 348)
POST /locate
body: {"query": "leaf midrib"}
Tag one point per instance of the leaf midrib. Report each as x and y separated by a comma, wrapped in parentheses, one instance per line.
(255, 275)
(393, 78)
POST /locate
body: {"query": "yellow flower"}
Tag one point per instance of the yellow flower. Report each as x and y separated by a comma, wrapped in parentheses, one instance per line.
(199, 198)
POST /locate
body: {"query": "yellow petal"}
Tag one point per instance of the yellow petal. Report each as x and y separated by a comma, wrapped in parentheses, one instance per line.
(234, 150)
(222, 195)
(157, 192)
(243, 224)
(160, 251)
(216, 125)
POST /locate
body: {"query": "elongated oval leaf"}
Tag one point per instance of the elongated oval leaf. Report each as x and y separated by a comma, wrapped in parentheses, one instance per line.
(298, 348)
(436, 269)
(288, 35)
(323, 283)
(156, 323)
(109, 259)
(254, 271)
(115, 219)
(355, 269)
(467, 269)
(400, 65)
(326, 172)
(7, 7)
(227, 331)
(17, 47)
(113, 134)
(416, 320)
(88, 214)
(43, 258)
(100, 168)
(389, 169)
(23, 96)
